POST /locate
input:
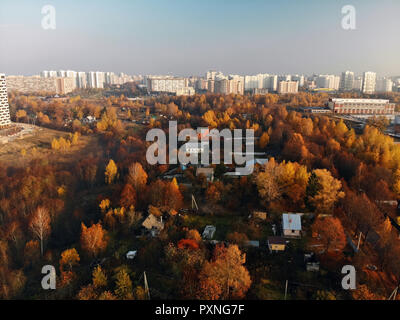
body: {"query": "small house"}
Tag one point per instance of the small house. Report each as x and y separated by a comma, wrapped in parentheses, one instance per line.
(209, 232)
(291, 225)
(153, 224)
(276, 244)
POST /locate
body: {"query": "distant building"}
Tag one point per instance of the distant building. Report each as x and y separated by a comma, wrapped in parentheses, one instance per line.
(32, 84)
(369, 82)
(288, 87)
(167, 84)
(4, 106)
(291, 225)
(95, 79)
(229, 86)
(328, 81)
(185, 91)
(368, 107)
(262, 81)
(384, 85)
(347, 81)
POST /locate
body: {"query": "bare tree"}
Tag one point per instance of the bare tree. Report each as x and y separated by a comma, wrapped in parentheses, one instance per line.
(40, 225)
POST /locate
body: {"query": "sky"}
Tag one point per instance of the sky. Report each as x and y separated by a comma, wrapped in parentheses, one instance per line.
(189, 37)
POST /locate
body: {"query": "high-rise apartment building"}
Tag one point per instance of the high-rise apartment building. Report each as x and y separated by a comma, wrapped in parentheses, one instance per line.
(95, 79)
(328, 81)
(261, 81)
(165, 83)
(288, 87)
(369, 82)
(36, 84)
(384, 85)
(347, 81)
(4, 107)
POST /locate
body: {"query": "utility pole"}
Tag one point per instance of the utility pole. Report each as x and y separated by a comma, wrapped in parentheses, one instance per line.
(394, 294)
(194, 203)
(286, 288)
(146, 285)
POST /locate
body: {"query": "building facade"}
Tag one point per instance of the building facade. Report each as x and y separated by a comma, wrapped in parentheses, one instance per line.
(4, 107)
(369, 82)
(36, 84)
(165, 84)
(362, 106)
(347, 81)
(288, 87)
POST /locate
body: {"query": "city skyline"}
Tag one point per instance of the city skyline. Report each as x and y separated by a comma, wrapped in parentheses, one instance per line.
(162, 37)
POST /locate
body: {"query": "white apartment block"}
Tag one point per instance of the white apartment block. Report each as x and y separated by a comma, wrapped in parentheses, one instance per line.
(4, 107)
(328, 81)
(299, 78)
(215, 75)
(369, 82)
(95, 79)
(288, 87)
(261, 81)
(347, 81)
(384, 85)
(165, 84)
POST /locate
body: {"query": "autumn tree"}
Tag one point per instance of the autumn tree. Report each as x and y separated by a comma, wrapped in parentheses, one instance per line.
(111, 172)
(93, 239)
(70, 258)
(99, 278)
(137, 176)
(225, 277)
(328, 233)
(123, 289)
(128, 196)
(329, 192)
(40, 225)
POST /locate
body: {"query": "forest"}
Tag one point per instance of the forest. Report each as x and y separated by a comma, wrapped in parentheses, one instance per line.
(82, 217)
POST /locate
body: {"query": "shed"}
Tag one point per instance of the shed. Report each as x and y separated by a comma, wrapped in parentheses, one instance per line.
(276, 244)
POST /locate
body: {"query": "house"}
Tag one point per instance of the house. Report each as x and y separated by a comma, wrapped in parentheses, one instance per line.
(130, 255)
(209, 232)
(89, 119)
(291, 225)
(208, 172)
(276, 244)
(153, 224)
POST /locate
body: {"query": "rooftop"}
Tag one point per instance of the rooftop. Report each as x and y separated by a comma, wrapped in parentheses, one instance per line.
(291, 221)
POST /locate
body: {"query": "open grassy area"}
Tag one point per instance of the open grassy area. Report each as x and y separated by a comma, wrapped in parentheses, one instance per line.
(37, 145)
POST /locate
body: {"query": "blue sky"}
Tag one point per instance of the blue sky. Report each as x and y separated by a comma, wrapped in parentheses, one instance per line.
(186, 37)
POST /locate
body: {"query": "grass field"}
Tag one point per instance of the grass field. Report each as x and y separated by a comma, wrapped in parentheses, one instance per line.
(37, 145)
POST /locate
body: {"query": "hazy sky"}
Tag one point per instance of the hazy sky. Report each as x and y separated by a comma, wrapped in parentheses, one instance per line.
(188, 37)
